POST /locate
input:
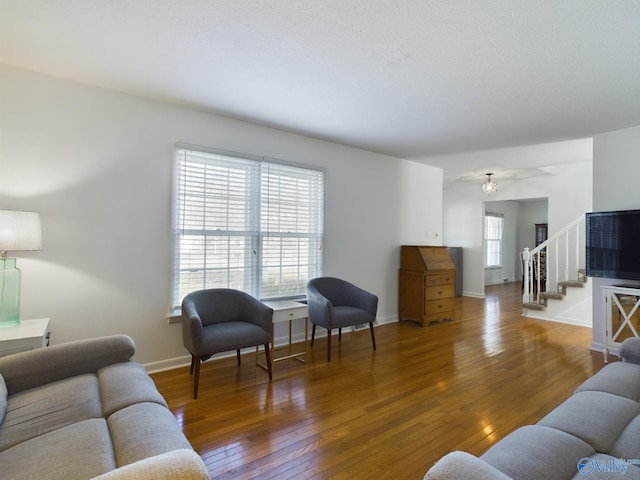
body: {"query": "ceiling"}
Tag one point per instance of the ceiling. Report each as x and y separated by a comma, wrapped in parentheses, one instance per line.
(418, 79)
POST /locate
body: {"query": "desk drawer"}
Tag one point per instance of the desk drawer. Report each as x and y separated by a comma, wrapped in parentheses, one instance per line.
(439, 291)
(290, 314)
(436, 307)
(440, 279)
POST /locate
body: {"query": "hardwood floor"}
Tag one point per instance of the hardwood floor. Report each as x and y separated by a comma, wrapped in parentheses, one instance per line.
(388, 414)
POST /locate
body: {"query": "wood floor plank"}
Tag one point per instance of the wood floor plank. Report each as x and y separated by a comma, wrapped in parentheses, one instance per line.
(386, 414)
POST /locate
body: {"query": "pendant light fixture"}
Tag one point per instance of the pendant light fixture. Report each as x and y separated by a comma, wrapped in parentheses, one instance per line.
(489, 187)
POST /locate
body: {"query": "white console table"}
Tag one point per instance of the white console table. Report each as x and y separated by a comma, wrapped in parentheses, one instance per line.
(29, 335)
(622, 316)
(287, 311)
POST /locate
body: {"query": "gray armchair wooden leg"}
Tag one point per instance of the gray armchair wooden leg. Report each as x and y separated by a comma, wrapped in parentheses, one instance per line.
(373, 336)
(196, 378)
(238, 355)
(328, 345)
(267, 354)
(193, 363)
(313, 333)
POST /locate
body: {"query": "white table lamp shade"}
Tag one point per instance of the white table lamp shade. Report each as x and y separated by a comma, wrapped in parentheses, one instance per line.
(20, 231)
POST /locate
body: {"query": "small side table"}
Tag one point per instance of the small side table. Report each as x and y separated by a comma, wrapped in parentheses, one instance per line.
(287, 311)
(29, 335)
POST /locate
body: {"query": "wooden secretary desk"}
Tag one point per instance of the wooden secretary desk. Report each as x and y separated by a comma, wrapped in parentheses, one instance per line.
(426, 284)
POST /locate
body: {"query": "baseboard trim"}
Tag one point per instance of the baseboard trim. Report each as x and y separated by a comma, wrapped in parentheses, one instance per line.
(185, 361)
(474, 295)
(579, 322)
(169, 364)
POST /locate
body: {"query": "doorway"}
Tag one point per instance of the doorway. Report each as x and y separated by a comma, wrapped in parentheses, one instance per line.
(519, 231)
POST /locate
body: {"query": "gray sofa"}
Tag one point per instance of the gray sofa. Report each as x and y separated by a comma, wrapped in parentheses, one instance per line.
(83, 409)
(594, 434)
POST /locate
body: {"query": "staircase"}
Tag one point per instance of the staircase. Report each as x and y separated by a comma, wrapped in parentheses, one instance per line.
(555, 284)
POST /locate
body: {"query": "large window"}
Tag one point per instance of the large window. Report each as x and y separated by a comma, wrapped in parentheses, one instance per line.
(245, 223)
(493, 227)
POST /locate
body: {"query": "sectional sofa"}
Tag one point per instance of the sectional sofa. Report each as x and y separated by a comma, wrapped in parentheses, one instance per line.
(82, 410)
(594, 434)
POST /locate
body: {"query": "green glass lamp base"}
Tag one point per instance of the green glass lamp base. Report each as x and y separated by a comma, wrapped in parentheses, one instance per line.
(9, 293)
(9, 322)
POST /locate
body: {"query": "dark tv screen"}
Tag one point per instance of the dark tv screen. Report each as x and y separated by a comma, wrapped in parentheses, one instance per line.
(613, 244)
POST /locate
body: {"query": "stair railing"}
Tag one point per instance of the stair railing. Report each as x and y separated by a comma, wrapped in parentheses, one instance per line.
(541, 265)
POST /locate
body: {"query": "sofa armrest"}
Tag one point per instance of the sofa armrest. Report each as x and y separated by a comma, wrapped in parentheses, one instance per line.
(462, 465)
(180, 464)
(630, 350)
(25, 370)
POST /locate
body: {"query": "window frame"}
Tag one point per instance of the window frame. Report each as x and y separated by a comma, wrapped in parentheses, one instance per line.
(493, 240)
(307, 245)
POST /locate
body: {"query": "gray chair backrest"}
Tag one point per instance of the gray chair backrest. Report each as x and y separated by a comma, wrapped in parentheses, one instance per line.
(217, 305)
(339, 292)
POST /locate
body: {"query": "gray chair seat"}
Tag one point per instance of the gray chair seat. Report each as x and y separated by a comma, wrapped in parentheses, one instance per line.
(220, 337)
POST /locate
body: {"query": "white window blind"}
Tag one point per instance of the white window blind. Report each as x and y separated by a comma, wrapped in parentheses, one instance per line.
(247, 224)
(493, 227)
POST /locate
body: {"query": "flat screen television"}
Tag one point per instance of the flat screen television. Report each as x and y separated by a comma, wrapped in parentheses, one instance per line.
(613, 244)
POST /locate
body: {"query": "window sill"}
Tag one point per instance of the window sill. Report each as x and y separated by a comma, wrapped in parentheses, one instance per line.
(176, 315)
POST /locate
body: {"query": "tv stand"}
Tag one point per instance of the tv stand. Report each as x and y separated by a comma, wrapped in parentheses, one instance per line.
(622, 316)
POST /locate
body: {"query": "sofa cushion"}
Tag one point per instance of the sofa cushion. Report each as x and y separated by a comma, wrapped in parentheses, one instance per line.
(598, 418)
(463, 465)
(619, 378)
(3, 398)
(31, 413)
(124, 384)
(629, 351)
(79, 451)
(537, 452)
(628, 443)
(33, 368)
(180, 464)
(144, 430)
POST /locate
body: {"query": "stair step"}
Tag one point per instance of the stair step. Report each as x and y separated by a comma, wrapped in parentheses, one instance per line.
(534, 306)
(554, 295)
(572, 283)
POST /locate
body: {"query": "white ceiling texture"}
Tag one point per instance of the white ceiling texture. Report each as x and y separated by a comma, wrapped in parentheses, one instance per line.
(415, 79)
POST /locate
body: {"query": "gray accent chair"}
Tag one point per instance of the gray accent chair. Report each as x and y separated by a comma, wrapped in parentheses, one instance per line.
(221, 319)
(336, 303)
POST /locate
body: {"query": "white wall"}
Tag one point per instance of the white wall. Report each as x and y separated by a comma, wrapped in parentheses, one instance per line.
(530, 213)
(616, 170)
(463, 227)
(419, 215)
(568, 189)
(97, 165)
